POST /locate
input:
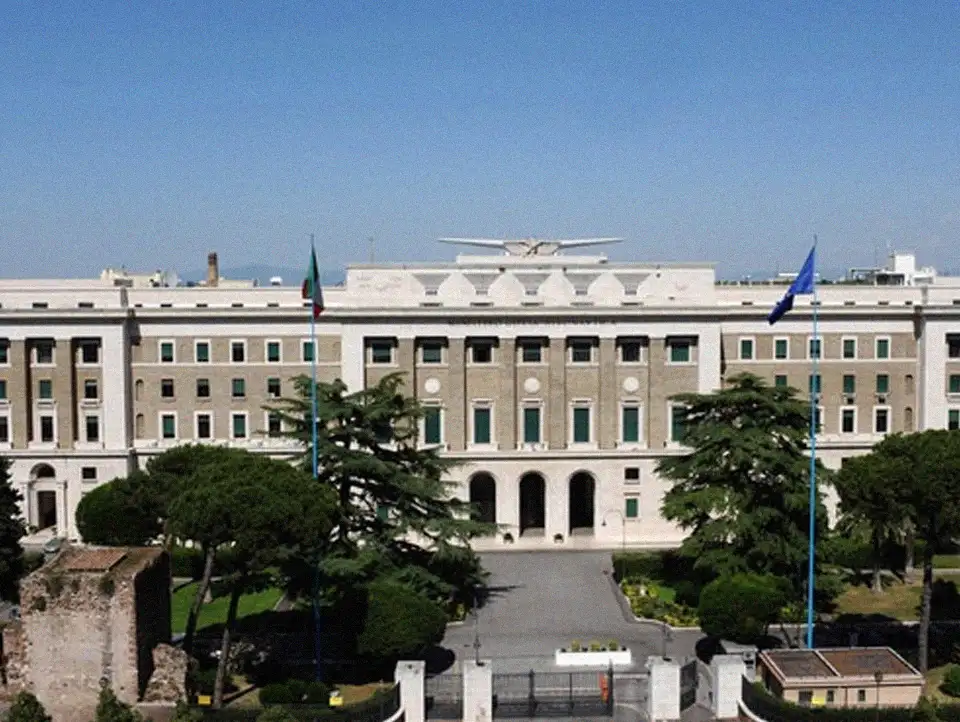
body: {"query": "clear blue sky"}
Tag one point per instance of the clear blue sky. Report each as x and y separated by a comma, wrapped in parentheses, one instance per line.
(149, 133)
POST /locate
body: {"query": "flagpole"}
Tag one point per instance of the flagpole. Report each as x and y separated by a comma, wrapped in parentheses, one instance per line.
(814, 392)
(314, 467)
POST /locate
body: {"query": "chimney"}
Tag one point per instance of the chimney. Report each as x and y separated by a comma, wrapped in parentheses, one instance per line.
(213, 270)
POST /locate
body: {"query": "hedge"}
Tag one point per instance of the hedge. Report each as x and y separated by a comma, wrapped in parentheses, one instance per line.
(379, 707)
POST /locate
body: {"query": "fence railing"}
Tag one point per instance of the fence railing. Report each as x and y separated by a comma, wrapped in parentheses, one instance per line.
(381, 707)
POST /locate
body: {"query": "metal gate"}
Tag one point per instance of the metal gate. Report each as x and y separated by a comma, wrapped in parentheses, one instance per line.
(689, 674)
(444, 697)
(553, 694)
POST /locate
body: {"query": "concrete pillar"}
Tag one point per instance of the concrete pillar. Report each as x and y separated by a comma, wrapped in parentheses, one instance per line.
(411, 676)
(477, 691)
(663, 700)
(727, 672)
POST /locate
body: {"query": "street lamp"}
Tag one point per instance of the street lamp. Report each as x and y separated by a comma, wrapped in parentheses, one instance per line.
(878, 676)
(623, 533)
(667, 637)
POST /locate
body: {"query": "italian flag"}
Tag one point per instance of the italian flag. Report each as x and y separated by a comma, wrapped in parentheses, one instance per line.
(311, 285)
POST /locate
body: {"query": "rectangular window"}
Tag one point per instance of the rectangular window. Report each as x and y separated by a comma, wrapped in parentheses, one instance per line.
(780, 381)
(4, 430)
(274, 425)
(581, 425)
(849, 348)
(168, 426)
(481, 425)
(531, 425)
(88, 473)
(861, 695)
(630, 433)
(204, 426)
(431, 352)
(781, 348)
(166, 352)
(481, 352)
(677, 425)
(91, 390)
(679, 352)
(381, 352)
(46, 429)
(166, 388)
(90, 353)
(818, 419)
(201, 352)
(631, 352)
(746, 349)
(953, 346)
(954, 384)
(848, 421)
(432, 425)
(631, 475)
(814, 348)
(306, 352)
(883, 384)
(805, 697)
(881, 421)
(581, 352)
(4, 352)
(632, 507)
(830, 696)
(203, 388)
(883, 348)
(813, 384)
(273, 388)
(45, 389)
(3, 389)
(238, 388)
(239, 426)
(953, 419)
(531, 352)
(44, 352)
(849, 384)
(238, 352)
(92, 426)
(273, 352)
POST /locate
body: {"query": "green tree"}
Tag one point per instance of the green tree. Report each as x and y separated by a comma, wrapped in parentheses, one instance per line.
(111, 709)
(742, 491)
(26, 708)
(399, 622)
(125, 511)
(12, 530)
(266, 511)
(741, 607)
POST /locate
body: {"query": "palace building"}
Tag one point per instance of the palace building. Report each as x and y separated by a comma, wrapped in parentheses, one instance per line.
(548, 377)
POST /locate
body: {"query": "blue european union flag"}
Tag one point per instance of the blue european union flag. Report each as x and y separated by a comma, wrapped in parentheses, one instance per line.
(802, 286)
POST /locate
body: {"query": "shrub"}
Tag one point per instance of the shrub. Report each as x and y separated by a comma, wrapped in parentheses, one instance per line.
(740, 607)
(298, 689)
(26, 708)
(399, 622)
(185, 713)
(110, 709)
(951, 681)
(276, 714)
(276, 693)
(317, 693)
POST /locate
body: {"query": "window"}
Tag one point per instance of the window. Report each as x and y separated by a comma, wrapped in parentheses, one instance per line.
(274, 424)
(631, 352)
(4, 430)
(45, 389)
(46, 429)
(631, 507)
(861, 695)
(883, 348)
(381, 352)
(238, 388)
(273, 388)
(306, 352)
(433, 425)
(91, 390)
(814, 348)
(166, 388)
(166, 352)
(953, 419)
(805, 697)
(531, 352)
(89, 352)
(830, 696)
(677, 430)
(201, 352)
(631, 474)
(92, 426)
(581, 424)
(881, 420)
(781, 348)
(848, 421)
(273, 352)
(780, 381)
(168, 426)
(4, 352)
(679, 352)
(431, 352)
(883, 384)
(581, 352)
(954, 384)
(953, 346)
(818, 418)
(238, 352)
(481, 425)
(481, 352)
(204, 426)
(630, 424)
(44, 352)
(813, 383)
(239, 425)
(531, 425)
(849, 348)
(203, 388)
(3, 389)
(88, 473)
(746, 349)
(849, 384)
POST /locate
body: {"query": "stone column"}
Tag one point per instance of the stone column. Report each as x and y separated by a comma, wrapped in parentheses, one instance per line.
(411, 677)
(727, 671)
(663, 700)
(477, 691)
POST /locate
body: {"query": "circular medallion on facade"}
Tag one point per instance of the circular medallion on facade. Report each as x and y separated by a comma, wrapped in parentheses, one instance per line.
(531, 386)
(630, 384)
(431, 386)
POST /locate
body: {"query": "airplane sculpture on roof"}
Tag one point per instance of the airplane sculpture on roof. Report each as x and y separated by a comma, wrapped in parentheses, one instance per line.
(529, 246)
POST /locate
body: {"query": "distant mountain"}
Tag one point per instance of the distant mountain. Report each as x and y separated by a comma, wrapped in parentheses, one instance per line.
(263, 274)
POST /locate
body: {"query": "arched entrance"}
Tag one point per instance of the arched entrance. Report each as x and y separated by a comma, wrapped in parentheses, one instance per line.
(483, 497)
(46, 499)
(533, 503)
(582, 490)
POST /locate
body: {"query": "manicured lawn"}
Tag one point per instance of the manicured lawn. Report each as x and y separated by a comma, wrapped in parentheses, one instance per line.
(215, 612)
(900, 601)
(946, 561)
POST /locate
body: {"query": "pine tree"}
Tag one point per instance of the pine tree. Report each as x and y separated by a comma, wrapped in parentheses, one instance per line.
(12, 529)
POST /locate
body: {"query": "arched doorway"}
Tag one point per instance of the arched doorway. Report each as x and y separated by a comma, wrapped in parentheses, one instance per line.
(483, 497)
(582, 488)
(533, 503)
(46, 499)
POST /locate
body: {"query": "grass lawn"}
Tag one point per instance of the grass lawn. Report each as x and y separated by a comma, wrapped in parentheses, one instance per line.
(900, 601)
(946, 561)
(215, 612)
(352, 694)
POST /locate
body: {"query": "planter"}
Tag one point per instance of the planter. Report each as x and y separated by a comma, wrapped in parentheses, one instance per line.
(620, 658)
